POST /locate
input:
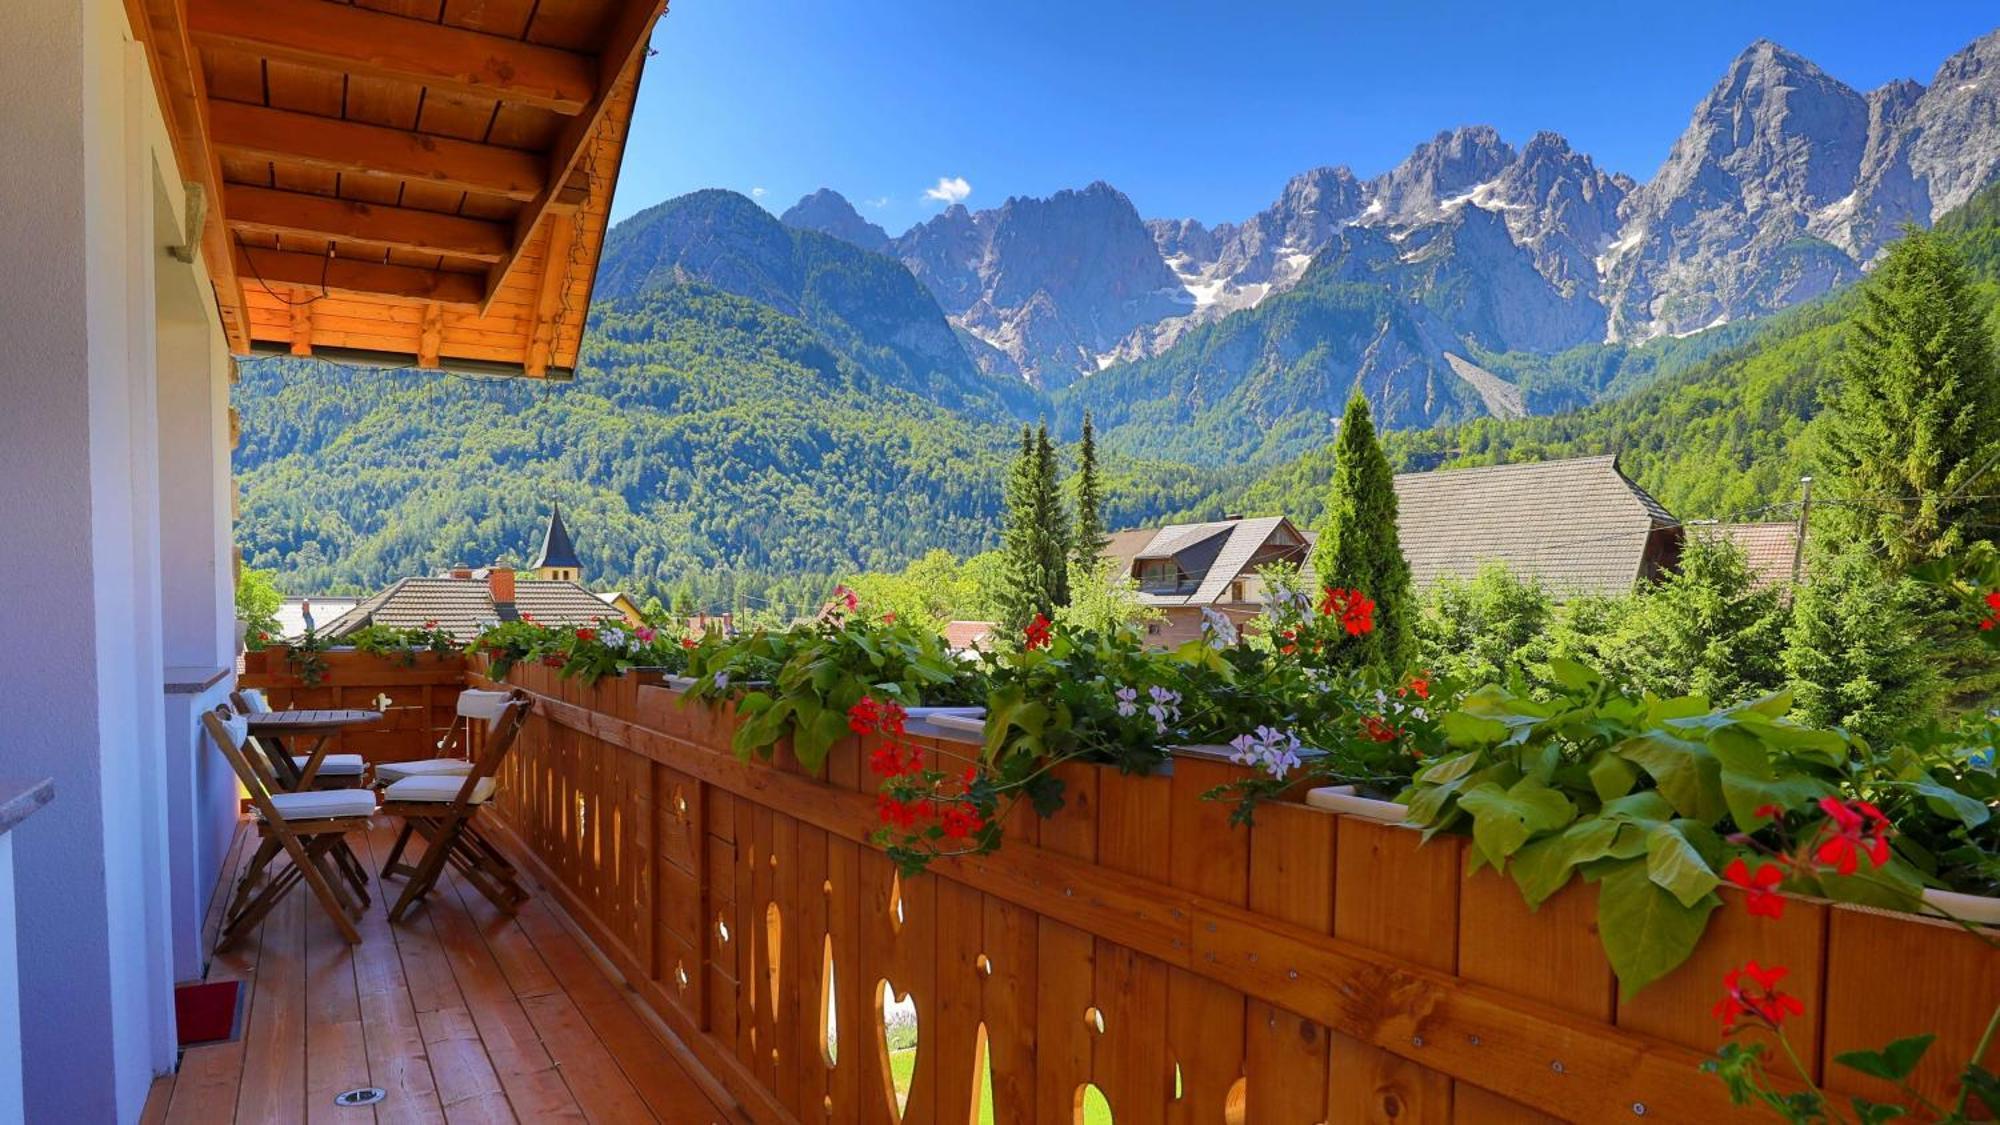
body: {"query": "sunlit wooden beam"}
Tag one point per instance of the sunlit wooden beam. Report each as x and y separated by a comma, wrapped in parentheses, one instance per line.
(623, 49)
(264, 211)
(280, 271)
(357, 41)
(334, 145)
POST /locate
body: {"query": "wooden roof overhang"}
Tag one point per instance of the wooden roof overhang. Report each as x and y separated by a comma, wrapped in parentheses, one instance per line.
(401, 182)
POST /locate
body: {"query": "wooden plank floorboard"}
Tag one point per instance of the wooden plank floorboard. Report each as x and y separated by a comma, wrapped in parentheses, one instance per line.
(462, 1013)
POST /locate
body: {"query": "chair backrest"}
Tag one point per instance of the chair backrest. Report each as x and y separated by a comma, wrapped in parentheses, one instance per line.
(250, 701)
(506, 727)
(231, 734)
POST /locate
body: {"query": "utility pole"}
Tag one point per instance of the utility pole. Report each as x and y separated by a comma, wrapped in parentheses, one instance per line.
(1799, 539)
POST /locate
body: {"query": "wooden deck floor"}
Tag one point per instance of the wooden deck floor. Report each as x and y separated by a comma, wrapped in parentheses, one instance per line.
(459, 1012)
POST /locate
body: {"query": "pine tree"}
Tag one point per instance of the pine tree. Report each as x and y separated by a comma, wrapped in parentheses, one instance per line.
(1357, 546)
(1089, 540)
(1914, 433)
(1052, 521)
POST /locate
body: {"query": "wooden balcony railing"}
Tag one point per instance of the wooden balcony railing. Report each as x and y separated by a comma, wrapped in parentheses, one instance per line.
(1311, 968)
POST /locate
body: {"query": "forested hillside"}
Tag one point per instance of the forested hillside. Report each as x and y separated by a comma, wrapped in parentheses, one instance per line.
(712, 440)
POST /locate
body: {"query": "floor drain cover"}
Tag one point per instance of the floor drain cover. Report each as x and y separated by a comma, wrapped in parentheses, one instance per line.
(367, 1095)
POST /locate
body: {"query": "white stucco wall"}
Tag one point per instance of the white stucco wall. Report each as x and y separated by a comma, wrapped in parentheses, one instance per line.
(86, 173)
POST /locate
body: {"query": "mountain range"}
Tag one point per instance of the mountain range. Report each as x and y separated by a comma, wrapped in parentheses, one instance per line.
(1784, 186)
(764, 398)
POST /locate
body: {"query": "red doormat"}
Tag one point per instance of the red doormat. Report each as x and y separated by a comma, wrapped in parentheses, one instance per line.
(207, 1013)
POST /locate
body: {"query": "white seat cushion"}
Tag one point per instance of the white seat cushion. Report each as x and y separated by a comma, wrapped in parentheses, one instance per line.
(423, 767)
(333, 765)
(318, 803)
(437, 788)
(253, 698)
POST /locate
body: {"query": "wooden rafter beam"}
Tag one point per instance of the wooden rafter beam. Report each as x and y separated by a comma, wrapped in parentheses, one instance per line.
(623, 49)
(357, 41)
(334, 145)
(548, 300)
(264, 211)
(183, 95)
(302, 322)
(279, 271)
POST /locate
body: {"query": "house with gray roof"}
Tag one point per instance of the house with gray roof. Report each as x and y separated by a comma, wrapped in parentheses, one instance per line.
(1578, 526)
(1182, 568)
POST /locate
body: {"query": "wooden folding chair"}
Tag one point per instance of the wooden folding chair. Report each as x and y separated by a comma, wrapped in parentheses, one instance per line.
(336, 771)
(310, 828)
(442, 807)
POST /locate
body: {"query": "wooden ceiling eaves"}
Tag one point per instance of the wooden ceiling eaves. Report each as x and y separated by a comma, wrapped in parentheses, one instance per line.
(450, 171)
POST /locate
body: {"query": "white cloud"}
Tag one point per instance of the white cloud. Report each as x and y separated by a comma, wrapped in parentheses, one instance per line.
(757, 193)
(949, 189)
(878, 202)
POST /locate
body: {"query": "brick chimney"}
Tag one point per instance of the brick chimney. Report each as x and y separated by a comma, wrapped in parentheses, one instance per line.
(462, 573)
(500, 580)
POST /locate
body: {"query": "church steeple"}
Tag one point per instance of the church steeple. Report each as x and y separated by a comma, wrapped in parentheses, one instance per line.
(558, 561)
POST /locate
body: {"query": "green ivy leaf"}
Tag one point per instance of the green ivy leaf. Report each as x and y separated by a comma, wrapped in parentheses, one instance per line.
(1673, 862)
(1611, 776)
(1894, 1062)
(1687, 773)
(1543, 867)
(1647, 932)
(1504, 819)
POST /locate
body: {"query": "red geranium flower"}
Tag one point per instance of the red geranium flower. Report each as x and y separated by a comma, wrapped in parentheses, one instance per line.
(552, 661)
(690, 642)
(1356, 610)
(865, 716)
(892, 718)
(901, 814)
(1419, 686)
(1374, 729)
(885, 762)
(1038, 632)
(586, 635)
(958, 823)
(1853, 829)
(1764, 900)
(846, 598)
(1757, 998)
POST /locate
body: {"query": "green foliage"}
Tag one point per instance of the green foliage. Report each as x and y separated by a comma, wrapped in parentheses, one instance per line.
(1703, 629)
(1854, 652)
(1484, 630)
(1631, 792)
(1915, 424)
(932, 591)
(257, 603)
(1088, 539)
(800, 683)
(586, 652)
(1037, 536)
(1101, 599)
(401, 645)
(1357, 547)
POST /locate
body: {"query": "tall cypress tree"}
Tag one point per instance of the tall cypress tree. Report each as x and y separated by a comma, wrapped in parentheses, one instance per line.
(1913, 435)
(1357, 546)
(1089, 540)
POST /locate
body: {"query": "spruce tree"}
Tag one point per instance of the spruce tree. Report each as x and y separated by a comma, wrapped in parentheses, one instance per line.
(1357, 547)
(1856, 654)
(1052, 520)
(1022, 591)
(1913, 435)
(1087, 543)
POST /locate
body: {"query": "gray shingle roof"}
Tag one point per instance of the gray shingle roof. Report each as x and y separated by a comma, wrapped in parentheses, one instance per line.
(1579, 526)
(461, 606)
(1215, 554)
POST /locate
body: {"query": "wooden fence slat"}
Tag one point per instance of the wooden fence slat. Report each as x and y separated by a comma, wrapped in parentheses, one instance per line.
(1902, 976)
(1286, 1061)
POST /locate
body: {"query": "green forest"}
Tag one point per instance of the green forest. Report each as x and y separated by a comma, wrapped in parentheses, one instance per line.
(726, 453)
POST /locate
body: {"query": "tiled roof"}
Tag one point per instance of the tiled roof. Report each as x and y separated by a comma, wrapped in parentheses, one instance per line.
(461, 606)
(1768, 548)
(962, 635)
(1579, 526)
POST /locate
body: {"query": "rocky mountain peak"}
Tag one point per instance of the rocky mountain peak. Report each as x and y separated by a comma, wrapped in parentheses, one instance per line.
(1449, 164)
(829, 212)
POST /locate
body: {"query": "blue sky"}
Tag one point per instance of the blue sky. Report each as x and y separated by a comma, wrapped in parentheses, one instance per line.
(1195, 110)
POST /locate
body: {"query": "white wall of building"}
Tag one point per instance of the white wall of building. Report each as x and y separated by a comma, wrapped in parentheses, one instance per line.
(85, 181)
